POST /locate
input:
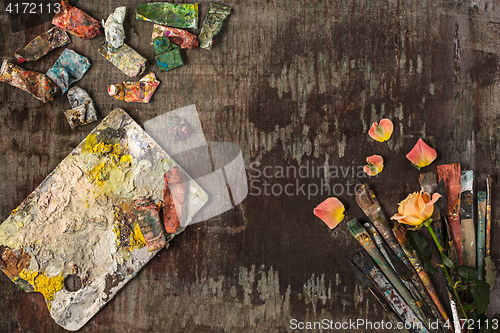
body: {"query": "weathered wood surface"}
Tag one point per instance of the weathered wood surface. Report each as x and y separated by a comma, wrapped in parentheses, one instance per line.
(293, 83)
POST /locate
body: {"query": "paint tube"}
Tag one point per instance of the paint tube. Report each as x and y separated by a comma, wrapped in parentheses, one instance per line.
(149, 223)
(171, 14)
(42, 44)
(83, 110)
(212, 25)
(136, 91)
(124, 58)
(168, 55)
(37, 84)
(113, 27)
(68, 68)
(183, 38)
(76, 21)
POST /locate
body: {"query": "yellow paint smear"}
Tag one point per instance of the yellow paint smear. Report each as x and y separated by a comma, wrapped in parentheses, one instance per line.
(48, 286)
(136, 238)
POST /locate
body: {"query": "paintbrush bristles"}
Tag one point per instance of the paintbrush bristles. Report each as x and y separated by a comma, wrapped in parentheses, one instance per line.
(365, 198)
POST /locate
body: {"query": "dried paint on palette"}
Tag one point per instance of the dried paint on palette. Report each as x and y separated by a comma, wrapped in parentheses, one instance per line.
(95, 218)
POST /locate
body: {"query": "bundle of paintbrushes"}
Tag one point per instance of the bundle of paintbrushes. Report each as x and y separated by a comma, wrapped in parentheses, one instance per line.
(390, 265)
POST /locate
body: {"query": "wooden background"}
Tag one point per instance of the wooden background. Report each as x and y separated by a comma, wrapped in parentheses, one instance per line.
(293, 83)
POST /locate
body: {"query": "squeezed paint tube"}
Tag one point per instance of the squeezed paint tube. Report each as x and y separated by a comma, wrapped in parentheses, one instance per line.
(171, 14)
(177, 128)
(184, 39)
(168, 55)
(212, 25)
(124, 58)
(37, 84)
(83, 110)
(136, 91)
(149, 223)
(42, 44)
(113, 27)
(451, 175)
(76, 21)
(68, 68)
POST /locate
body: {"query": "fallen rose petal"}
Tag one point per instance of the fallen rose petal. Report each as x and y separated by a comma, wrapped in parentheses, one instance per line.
(375, 165)
(381, 132)
(421, 155)
(330, 211)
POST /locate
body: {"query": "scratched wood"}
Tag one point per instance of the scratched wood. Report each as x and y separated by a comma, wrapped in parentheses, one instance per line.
(294, 84)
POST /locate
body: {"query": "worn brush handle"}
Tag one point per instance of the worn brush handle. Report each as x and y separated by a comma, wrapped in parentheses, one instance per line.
(481, 232)
(366, 264)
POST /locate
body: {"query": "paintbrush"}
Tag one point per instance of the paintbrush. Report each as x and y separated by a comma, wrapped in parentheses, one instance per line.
(428, 183)
(365, 263)
(399, 267)
(368, 244)
(489, 183)
(400, 234)
(481, 232)
(369, 204)
(451, 175)
(369, 285)
(467, 219)
(442, 207)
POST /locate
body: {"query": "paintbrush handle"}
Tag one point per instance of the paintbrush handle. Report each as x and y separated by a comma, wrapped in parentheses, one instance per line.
(366, 264)
(400, 235)
(390, 313)
(481, 232)
(368, 244)
(489, 181)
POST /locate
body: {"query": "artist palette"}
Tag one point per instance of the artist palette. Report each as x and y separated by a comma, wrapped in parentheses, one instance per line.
(80, 236)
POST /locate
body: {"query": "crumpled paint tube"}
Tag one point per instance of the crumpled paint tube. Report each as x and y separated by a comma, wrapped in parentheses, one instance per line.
(124, 58)
(183, 38)
(37, 84)
(137, 91)
(76, 21)
(83, 110)
(177, 129)
(171, 14)
(174, 193)
(68, 68)
(113, 27)
(168, 55)
(212, 24)
(42, 44)
(149, 223)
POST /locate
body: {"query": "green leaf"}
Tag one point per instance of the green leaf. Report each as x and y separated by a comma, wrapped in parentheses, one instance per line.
(491, 272)
(429, 267)
(447, 261)
(481, 294)
(419, 244)
(467, 273)
(468, 306)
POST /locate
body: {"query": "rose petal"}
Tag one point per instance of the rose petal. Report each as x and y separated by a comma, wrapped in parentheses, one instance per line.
(421, 155)
(330, 211)
(381, 132)
(375, 165)
(387, 127)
